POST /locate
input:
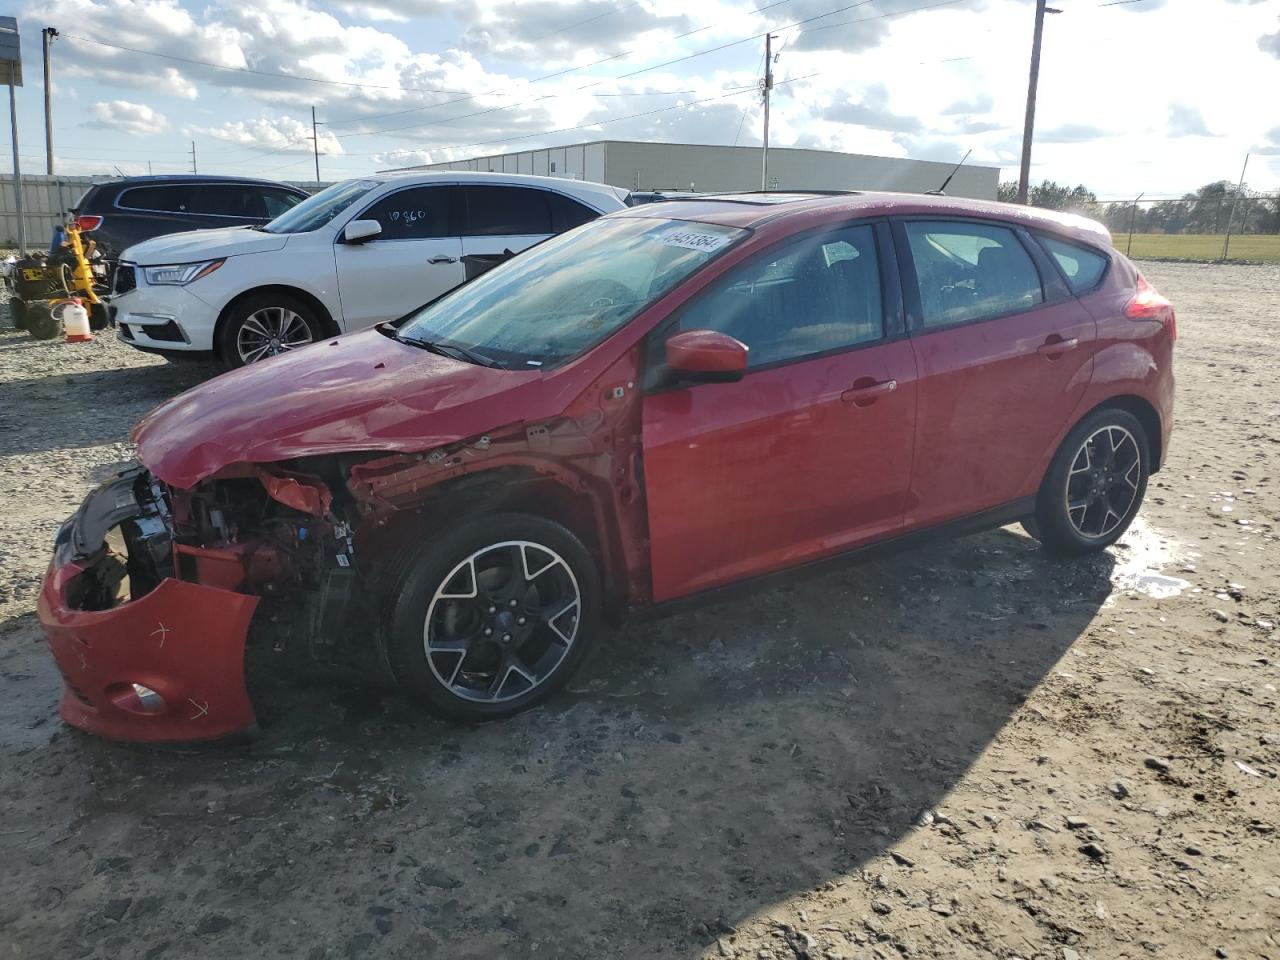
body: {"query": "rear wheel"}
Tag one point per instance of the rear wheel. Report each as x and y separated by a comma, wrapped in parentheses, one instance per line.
(494, 616)
(1095, 484)
(266, 325)
(18, 313)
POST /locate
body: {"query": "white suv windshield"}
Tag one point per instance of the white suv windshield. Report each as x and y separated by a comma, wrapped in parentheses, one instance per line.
(317, 210)
(569, 293)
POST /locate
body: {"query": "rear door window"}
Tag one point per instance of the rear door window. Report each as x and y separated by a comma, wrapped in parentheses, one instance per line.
(970, 271)
(242, 201)
(175, 198)
(417, 213)
(506, 211)
(1082, 267)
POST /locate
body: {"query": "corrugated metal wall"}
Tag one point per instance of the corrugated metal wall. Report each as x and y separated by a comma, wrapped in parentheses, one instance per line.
(45, 201)
(682, 166)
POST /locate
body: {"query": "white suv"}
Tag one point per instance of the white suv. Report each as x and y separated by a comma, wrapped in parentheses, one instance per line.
(356, 253)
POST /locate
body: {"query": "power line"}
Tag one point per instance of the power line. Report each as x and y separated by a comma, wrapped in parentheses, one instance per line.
(259, 73)
(656, 66)
(500, 91)
(633, 116)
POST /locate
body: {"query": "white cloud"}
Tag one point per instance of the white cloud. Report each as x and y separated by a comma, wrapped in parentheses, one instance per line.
(446, 79)
(281, 135)
(132, 119)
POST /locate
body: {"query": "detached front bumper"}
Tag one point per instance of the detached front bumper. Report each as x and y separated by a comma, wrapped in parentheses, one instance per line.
(167, 665)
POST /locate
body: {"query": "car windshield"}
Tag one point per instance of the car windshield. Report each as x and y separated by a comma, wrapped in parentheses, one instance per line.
(569, 293)
(317, 210)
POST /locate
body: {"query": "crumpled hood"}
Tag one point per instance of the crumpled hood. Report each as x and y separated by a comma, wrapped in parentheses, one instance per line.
(196, 245)
(364, 392)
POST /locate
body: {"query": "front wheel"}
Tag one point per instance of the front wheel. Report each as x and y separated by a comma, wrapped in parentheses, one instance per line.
(494, 616)
(265, 325)
(1095, 484)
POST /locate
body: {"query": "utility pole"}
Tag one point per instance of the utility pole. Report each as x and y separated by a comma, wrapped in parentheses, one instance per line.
(1024, 179)
(48, 33)
(766, 87)
(193, 157)
(1226, 245)
(1133, 216)
(315, 144)
(11, 73)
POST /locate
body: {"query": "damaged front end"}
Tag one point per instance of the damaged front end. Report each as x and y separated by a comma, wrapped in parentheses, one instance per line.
(149, 600)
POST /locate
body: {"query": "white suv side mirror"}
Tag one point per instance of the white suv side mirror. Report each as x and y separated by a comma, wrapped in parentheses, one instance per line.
(358, 231)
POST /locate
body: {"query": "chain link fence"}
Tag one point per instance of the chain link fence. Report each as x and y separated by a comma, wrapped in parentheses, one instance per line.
(1227, 226)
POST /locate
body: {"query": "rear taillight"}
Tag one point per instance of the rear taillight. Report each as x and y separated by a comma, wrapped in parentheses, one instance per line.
(86, 223)
(1148, 304)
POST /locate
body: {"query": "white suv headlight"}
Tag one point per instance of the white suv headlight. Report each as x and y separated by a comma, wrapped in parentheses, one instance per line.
(180, 274)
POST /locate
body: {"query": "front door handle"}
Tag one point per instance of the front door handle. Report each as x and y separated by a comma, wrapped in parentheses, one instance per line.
(441, 258)
(1056, 346)
(864, 394)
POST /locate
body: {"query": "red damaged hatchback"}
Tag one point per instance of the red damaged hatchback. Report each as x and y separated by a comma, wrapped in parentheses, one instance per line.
(662, 402)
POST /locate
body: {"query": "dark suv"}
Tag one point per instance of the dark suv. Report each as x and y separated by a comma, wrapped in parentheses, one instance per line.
(121, 213)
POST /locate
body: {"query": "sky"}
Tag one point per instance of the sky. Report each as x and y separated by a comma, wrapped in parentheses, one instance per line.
(1142, 96)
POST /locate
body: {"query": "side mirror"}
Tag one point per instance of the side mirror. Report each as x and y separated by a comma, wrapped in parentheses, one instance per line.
(358, 231)
(706, 356)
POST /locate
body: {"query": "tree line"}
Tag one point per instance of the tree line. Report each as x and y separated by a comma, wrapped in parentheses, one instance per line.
(1204, 211)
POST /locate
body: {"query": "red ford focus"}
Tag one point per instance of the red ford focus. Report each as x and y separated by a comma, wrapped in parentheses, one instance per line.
(663, 402)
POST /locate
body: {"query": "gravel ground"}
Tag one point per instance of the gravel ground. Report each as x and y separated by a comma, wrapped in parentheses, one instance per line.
(966, 751)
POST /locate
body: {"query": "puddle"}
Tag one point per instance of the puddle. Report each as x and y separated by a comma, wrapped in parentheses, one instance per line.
(1144, 553)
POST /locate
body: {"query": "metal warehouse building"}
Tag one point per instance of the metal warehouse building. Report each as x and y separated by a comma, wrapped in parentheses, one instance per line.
(634, 165)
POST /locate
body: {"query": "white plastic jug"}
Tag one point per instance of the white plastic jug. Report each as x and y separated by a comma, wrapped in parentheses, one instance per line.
(74, 318)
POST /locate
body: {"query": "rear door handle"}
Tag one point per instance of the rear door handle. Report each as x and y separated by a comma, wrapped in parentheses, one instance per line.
(867, 394)
(441, 258)
(1055, 346)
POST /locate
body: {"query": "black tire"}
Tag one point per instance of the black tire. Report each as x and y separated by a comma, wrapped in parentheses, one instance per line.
(1107, 493)
(263, 308)
(99, 318)
(40, 321)
(441, 564)
(1033, 529)
(18, 313)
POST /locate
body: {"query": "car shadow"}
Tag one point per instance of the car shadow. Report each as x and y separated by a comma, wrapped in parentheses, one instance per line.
(702, 769)
(90, 407)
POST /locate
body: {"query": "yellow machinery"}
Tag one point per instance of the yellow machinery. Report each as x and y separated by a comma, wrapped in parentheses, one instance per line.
(41, 281)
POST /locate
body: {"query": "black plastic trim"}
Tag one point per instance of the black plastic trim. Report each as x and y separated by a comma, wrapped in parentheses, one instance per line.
(980, 522)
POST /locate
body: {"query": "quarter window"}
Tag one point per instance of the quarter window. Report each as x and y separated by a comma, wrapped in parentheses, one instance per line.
(820, 294)
(970, 271)
(567, 213)
(1083, 267)
(506, 211)
(418, 213)
(278, 201)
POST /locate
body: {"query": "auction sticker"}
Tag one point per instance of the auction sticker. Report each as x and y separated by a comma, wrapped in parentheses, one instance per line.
(693, 240)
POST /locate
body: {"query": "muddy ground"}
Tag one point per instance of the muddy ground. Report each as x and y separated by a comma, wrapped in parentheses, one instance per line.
(966, 751)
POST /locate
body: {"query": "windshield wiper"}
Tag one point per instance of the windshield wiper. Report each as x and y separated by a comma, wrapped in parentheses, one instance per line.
(453, 352)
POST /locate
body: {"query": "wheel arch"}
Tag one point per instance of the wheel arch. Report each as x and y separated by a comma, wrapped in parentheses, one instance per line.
(311, 300)
(584, 511)
(1146, 414)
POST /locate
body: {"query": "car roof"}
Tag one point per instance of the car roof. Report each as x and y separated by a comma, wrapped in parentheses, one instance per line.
(560, 184)
(180, 178)
(797, 210)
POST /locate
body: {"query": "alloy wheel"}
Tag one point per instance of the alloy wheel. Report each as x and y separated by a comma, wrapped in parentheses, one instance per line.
(1103, 483)
(271, 331)
(502, 621)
